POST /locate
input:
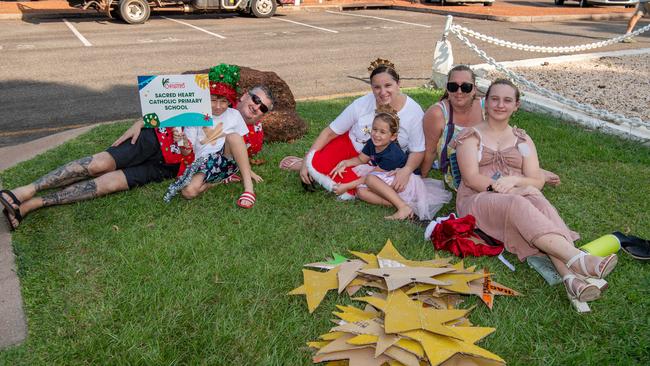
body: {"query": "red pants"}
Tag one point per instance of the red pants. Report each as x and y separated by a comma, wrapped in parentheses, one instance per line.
(337, 150)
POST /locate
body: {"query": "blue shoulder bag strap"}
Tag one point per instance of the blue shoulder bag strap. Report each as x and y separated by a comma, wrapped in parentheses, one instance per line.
(444, 159)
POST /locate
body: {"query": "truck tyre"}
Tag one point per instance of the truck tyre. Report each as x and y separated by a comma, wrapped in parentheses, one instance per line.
(559, 2)
(488, 3)
(584, 3)
(263, 8)
(134, 11)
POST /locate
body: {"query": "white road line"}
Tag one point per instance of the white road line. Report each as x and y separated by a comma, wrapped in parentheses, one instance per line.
(197, 28)
(306, 25)
(76, 33)
(369, 16)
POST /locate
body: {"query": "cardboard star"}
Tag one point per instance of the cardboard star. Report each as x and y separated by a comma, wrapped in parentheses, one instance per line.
(458, 282)
(435, 263)
(317, 344)
(339, 344)
(389, 257)
(328, 264)
(403, 314)
(348, 272)
(406, 344)
(398, 277)
(300, 290)
(351, 314)
(440, 348)
(331, 336)
(356, 357)
(371, 327)
(370, 259)
(317, 284)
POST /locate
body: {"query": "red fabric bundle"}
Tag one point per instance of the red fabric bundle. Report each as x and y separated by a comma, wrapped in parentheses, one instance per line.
(457, 236)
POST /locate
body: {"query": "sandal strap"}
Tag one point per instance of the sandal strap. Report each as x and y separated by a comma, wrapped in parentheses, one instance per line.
(569, 279)
(579, 257)
(12, 195)
(247, 196)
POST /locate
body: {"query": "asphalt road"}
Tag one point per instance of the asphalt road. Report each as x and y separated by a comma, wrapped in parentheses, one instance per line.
(56, 75)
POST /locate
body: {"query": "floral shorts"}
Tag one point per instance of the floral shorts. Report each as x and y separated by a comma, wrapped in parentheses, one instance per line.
(215, 166)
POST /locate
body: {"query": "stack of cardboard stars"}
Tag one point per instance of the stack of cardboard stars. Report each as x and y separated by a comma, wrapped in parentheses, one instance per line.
(410, 317)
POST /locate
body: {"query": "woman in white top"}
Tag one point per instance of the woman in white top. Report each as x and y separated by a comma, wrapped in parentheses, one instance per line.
(346, 135)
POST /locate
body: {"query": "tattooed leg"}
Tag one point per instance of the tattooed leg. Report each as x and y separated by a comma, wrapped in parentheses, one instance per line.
(105, 184)
(71, 172)
(90, 166)
(77, 192)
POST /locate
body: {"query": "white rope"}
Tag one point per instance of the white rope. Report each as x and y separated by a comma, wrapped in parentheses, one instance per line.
(589, 109)
(544, 49)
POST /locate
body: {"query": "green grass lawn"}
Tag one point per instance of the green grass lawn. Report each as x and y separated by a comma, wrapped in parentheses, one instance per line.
(128, 279)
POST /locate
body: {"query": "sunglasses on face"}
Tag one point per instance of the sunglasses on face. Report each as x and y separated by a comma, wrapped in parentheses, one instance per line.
(464, 87)
(256, 99)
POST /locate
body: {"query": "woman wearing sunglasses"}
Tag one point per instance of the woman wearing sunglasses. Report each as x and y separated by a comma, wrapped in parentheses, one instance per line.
(458, 108)
(346, 135)
(501, 189)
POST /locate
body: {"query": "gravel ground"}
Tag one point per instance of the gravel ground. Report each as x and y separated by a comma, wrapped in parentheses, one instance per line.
(616, 84)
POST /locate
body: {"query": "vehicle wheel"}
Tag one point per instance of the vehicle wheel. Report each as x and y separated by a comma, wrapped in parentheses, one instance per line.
(488, 3)
(559, 2)
(629, 6)
(134, 11)
(443, 2)
(263, 8)
(583, 3)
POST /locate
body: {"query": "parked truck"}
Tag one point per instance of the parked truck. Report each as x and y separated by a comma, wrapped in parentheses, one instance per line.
(138, 11)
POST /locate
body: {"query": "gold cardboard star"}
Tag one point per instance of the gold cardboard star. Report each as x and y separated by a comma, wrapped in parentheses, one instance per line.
(356, 357)
(300, 290)
(440, 348)
(339, 344)
(331, 336)
(398, 277)
(403, 314)
(317, 284)
(351, 314)
(373, 329)
(390, 257)
(370, 259)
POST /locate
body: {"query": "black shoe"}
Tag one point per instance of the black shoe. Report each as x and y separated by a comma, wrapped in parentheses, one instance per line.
(634, 246)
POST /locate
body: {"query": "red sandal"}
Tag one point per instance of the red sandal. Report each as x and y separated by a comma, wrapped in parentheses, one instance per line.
(246, 197)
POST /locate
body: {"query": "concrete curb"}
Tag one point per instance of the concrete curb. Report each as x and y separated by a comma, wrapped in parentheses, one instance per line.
(13, 323)
(51, 15)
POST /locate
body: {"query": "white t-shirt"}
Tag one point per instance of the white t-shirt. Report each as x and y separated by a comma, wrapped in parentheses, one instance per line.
(232, 123)
(357, 119)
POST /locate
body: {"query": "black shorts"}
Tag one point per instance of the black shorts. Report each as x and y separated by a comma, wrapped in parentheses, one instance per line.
(143, 161)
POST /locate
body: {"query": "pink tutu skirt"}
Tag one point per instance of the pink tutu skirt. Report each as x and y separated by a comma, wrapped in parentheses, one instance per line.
(424, 196)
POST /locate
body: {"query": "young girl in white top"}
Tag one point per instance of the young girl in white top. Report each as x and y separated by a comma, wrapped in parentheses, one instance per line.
(377, 164)
(212, 163)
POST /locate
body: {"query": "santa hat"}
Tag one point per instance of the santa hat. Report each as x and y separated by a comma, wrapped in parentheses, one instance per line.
(224, 79)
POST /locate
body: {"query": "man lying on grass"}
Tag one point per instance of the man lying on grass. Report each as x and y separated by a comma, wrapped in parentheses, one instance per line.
(138, 157)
